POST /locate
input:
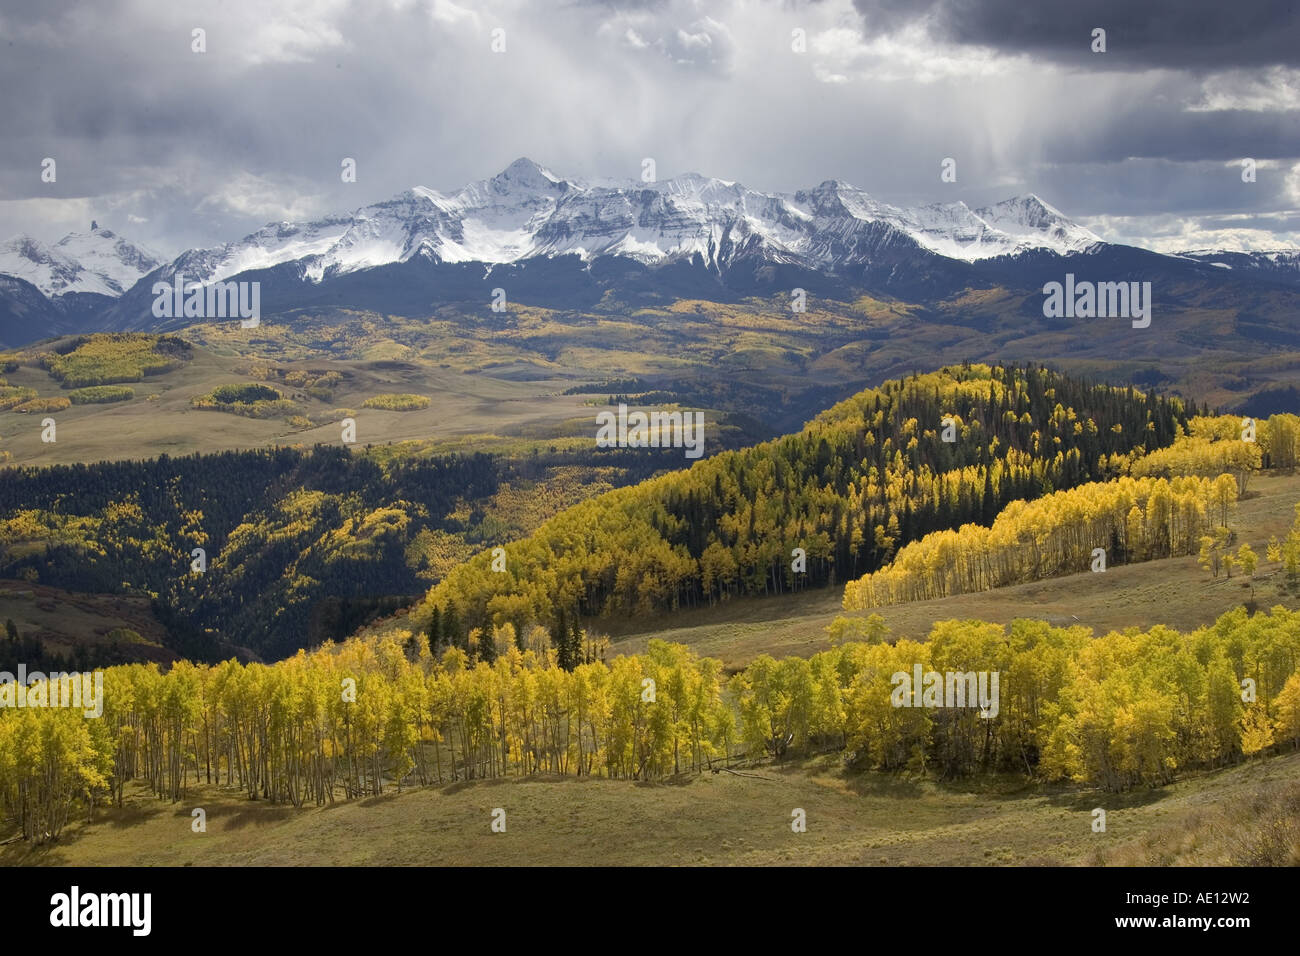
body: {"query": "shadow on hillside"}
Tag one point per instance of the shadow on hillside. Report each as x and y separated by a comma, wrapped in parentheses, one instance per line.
(451, 788)
(684, 779)
(860, 781)
(870, 783)
(1085, 801)
(25, 855)
(388, 796)
(238, 819)
(127, 816)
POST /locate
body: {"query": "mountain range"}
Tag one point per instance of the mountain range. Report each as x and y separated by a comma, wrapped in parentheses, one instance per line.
(567, 243)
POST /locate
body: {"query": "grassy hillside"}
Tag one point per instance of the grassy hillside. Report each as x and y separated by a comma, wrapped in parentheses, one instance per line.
(513, 377)
(862, 480)
(508, 373)
(304, 546)
(1222, 818)
(1173, 591)
(102, 627)
(1245, 815)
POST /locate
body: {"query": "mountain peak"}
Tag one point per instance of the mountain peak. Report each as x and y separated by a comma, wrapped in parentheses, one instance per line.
(834, 186)
(99, 232)
(526, 212)
(697, 186)
(98, 261)
(1029, 206)
(524, 172)
(1029, 216)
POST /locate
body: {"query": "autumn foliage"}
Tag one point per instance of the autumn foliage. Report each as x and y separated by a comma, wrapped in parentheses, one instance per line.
(1129, 519)
(861, 481)
(1117, 711)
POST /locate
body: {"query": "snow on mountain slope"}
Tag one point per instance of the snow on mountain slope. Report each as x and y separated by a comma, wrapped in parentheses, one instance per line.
(1277, 265)
(1282, 258)
(32, 260)
(269, 246)
(109, 257)
(954, 230)
(97, 261)
(1037, 225)
(527, 211)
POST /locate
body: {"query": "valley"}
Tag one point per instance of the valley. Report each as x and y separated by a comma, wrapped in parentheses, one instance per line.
(364, 516)
(451, 476)
(694, 433)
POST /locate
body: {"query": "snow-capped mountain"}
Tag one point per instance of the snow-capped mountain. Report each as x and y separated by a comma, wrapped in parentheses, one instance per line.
(1281, 265)
(98, 261)
(571, 244)
(1036, 225)
(527, 211)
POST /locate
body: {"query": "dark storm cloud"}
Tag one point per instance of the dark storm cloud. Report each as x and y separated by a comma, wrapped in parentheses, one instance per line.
(1141, 34)
(1146, 131)
(177, 149)
(1212, 191)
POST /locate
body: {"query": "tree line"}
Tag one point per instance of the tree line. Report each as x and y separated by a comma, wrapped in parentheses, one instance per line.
(862, 480)
(1215, 445)
(1129, 519)
(1138, 518)
(346, 721)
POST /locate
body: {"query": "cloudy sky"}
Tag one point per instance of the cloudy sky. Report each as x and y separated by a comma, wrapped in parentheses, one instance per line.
(1142, 143)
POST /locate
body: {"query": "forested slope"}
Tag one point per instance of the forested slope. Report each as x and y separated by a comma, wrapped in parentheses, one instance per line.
(1116, 711)
(283, 531)
(1174, 501)
(858, 482)
(301, 545)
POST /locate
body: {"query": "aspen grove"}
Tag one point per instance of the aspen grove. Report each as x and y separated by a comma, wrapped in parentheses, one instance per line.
(1117, 711)
(1129, 519)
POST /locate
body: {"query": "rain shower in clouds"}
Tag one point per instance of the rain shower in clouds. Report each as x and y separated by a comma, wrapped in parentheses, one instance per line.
(1141, 144)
